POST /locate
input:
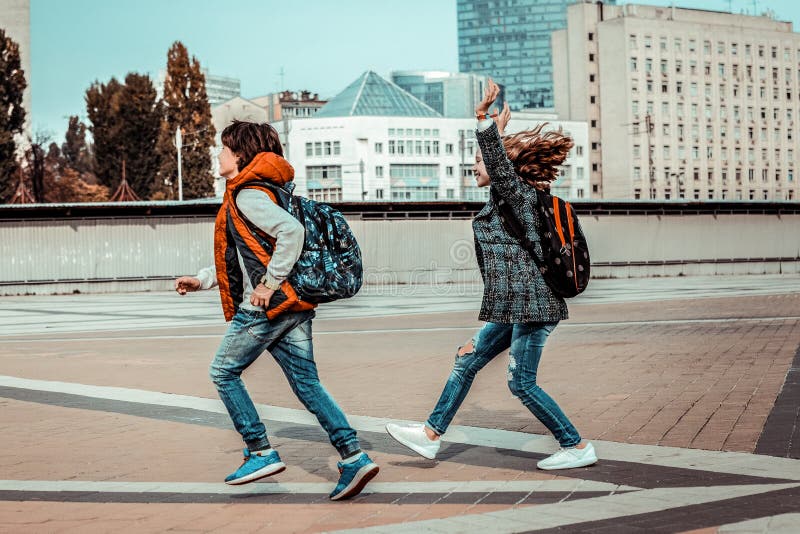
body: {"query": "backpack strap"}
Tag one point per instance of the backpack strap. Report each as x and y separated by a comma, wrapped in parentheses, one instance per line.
(559, 226)
(514, 226)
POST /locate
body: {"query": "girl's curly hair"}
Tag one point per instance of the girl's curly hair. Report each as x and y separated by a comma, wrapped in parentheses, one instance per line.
(536, 154)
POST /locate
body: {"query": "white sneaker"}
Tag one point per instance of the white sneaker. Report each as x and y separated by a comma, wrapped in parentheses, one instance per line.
(569, 458)
(415, 438)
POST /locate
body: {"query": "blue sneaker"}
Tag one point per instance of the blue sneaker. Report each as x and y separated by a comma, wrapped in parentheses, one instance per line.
(353, 477)
(256, 466)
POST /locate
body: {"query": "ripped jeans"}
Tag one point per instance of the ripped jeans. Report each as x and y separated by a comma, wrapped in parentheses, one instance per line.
(288, 338)
(526, 342)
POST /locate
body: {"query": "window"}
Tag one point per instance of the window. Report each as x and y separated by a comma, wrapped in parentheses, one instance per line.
(379, 194)
(309, 149)
(337, 148)
(591, 57)
(318, 148)
(591, 36)
(379, 171)
(391, 146)
(632, 41)
(594, 123)
(325, 194)
(324, 172)
(327, 150)
(448, 149)
(379, 148)
(633, 64)
(449, 171)
(579, 150)
(591, 77)
(592, 99)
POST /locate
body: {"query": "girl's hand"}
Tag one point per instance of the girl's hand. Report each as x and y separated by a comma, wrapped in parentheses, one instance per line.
(490, 93)
(502, 119)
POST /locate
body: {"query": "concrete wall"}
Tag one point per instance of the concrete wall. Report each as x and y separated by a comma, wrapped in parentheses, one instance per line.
(146, 253)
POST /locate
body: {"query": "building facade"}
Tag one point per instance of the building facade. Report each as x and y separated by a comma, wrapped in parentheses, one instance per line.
(376, 142)
(15, 19)
(451, 94)
(290, 104)
(682, 103)
(221, 88)
(510, 41)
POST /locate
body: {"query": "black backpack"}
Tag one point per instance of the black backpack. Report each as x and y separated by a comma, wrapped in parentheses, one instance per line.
(329, 267)
(565, 261)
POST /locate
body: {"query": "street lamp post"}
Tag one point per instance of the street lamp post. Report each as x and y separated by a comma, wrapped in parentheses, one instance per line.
(178, 145)
(361, 167)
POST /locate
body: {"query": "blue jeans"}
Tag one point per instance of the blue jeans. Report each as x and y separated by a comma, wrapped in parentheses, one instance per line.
(288, 339)
(526, 342)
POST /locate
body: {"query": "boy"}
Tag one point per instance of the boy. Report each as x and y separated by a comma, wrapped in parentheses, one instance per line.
(263, 309)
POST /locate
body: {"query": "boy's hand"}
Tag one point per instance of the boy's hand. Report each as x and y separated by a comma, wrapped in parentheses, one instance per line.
(261, 295)
(186, 284)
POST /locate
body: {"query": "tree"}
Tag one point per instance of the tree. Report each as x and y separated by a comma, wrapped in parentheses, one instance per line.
(12, 114)
(101, 104)
(68, 186)
(185, 106)
(125, 122)
(35, 159)
(75, 150)
(139, 116)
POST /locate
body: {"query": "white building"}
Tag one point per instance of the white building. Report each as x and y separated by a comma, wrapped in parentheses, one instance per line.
(221, 88)
(682, 103)
(15, 19)
(377, 142)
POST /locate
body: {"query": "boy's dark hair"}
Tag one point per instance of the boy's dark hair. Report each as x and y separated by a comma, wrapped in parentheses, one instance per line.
(246, 139)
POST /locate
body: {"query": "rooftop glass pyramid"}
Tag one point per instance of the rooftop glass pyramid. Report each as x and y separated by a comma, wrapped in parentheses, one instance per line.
(371, 95)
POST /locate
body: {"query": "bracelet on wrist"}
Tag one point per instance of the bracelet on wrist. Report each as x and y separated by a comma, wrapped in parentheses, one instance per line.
(483, 116)
(273, 285)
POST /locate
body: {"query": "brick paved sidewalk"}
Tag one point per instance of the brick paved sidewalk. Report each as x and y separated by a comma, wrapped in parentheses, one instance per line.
(638, 378)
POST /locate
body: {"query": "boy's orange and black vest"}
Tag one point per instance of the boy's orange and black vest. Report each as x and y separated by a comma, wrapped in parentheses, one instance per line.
(233, 232)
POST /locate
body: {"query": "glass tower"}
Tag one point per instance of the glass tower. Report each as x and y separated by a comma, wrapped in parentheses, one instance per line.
(510, 41)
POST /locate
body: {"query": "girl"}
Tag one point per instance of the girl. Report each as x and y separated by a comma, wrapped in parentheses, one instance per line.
(519, 308)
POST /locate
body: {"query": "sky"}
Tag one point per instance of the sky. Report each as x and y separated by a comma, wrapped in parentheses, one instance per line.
(319, 45)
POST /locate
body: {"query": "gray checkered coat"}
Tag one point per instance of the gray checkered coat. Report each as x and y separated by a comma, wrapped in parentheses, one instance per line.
(514, 290)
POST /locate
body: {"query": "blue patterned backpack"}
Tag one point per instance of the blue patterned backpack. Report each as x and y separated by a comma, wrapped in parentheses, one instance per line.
(329, 267)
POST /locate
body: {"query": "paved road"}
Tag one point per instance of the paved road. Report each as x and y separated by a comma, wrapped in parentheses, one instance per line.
(687, 387)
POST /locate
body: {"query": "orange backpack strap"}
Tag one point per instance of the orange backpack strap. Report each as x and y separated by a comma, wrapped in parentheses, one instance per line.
(559, 228)
(569, 222)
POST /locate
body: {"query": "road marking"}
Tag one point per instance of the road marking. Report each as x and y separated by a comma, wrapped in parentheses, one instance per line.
(715, 461)
(578, 511)
(414, 330)
(469, 486)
